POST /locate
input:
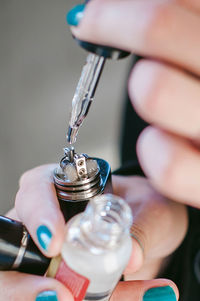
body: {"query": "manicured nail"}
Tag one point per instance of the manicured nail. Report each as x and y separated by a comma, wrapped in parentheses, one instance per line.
(75, 15)
(155, 152)
(165, 293)
(47, 296)
(44, 236)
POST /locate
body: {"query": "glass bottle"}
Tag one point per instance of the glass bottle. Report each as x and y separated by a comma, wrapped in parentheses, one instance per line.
(97, 248)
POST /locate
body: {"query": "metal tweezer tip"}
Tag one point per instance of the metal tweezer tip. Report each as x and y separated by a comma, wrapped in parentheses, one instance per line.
(71, 135)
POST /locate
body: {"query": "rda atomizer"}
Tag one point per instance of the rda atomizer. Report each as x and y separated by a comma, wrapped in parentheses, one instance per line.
(78, 179)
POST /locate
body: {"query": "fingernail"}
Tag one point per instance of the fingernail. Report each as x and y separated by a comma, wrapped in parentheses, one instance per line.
(165, 293)
(44, 236)
(75, 15)
(47, 296)
(154, 151)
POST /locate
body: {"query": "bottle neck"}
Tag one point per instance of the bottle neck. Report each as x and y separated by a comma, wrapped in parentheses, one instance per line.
(106, 221)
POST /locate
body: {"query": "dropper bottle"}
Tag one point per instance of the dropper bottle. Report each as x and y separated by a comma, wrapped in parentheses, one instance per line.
(96, 249)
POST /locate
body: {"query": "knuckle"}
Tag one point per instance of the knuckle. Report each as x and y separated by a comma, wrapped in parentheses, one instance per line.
(148, 101)
(139, 235)
(162, 21)
(35, 173)
(19, 198)
(24, 177)
(172, 183)
(94, 16)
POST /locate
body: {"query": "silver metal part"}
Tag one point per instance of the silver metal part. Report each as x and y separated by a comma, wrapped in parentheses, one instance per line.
(70, 152)
(77, 180)
(84, 94)
(81, 167)
(22, 250)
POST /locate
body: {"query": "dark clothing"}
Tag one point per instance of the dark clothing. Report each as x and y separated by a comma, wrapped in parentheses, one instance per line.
(184, 265)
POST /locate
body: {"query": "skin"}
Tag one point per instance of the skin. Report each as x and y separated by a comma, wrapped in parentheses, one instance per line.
(167, 34)
(164, 87)
(150, 211)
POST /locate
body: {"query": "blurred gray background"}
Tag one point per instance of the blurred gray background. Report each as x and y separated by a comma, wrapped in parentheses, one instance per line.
(40, 65)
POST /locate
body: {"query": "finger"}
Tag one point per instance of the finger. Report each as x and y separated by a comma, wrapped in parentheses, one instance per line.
(151, 212)
(159, 289)
(190, 4)
(153, 28)
(172, 164)
(170, 98)
(23, 287)
(12, 214)
(38, 208)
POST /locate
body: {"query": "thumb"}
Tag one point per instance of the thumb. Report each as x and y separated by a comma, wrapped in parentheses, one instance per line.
(151, 290)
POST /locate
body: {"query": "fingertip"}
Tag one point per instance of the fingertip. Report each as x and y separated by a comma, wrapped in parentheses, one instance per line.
(81, 27)
(56, 287)
(154, 149)
(57, 239)
(94, 24)
(63, 293)
(175, 288)
(160, 293)
(49, 235)
(25, 287)
(146, 73)
(146, 290)
(167, 283)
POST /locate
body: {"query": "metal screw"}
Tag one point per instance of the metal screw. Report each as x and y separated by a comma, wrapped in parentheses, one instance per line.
(80, 163)
(82, 172)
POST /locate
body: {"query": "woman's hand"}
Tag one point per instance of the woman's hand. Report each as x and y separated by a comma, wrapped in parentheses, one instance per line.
(164, 87)
(159, 228)
(36, 195)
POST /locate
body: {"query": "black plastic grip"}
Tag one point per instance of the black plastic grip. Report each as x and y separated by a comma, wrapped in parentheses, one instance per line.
(105, 51)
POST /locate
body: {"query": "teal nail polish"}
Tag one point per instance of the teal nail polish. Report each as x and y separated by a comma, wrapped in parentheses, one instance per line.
(44, 237)
(75, 15)
(47, 296)
(164, 293)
